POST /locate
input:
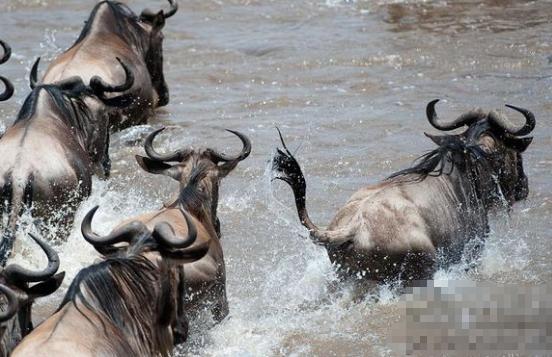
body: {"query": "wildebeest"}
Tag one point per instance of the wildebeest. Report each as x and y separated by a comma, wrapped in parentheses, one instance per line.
(51, 151)
(113, 30)
(398, 228)
(15, 318)
(125, 305)
(199, 173)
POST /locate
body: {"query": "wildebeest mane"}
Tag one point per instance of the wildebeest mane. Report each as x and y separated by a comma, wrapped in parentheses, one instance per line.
(69, 102)
(122, 14)
(191, 197)
(122, 290)
(441, 160)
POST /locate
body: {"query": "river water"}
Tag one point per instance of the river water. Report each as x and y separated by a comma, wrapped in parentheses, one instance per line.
(347, 82)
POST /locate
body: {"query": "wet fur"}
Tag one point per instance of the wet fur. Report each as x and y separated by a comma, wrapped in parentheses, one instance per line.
(442, 160)
(70, 127)
(122, 291)
(402, 226)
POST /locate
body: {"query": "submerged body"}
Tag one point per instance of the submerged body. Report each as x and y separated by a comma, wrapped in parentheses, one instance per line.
(398, 227)
(50, 153)
(45, 165)
(65, 169)
(125, 305)
(402, 227)
(205, 278)
(200, 173)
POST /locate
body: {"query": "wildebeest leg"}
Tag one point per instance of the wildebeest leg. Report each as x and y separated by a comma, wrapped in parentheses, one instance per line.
(59, 213)
(99, 149)
(220, 309)
(15, 207)
(417, 266)
(3, 201)
(106, 160)
(180, 330)
(217, 227)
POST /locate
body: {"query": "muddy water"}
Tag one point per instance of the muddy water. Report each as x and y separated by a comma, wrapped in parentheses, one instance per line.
(347, 81)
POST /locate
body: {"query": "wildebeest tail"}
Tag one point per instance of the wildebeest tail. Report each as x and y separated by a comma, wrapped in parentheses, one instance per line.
(289, 171)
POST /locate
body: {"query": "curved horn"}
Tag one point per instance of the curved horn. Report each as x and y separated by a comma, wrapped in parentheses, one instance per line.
(123, 234)
(33, 78)
(163, 234)
(8, 92)
(7, 52)
(503, 123)
(177, 155)
(15, 272)
(241, 156)
(464, 119)
(99, 87)
(13, 303)
(173, 9)
(71, 82)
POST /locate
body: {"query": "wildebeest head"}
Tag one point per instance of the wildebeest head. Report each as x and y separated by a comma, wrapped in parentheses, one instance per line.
(180, 164)
(15, 317)
(161, 253)
(153, 23)
(491, 138)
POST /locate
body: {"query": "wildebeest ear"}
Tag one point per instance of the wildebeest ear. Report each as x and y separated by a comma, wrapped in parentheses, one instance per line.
(156, 20)
(46, 287)
(159, 20)
(438, 139)
(518, 144)
(158, 167)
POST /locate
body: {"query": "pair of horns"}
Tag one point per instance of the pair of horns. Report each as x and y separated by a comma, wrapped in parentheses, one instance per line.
(496, 119)
(180, 155)
(172, 10)
(163, 234)
(97, 85)
(8, 86)
(17, 274)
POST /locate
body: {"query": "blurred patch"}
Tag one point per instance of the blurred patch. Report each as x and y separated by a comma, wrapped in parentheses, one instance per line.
(463, 318)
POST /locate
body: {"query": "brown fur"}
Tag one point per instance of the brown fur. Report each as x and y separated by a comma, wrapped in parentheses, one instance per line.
(114, 31)
(122, 306)
(396, 228)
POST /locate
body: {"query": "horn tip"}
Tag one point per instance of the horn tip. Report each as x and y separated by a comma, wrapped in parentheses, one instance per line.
(91, 213)
(34, 237)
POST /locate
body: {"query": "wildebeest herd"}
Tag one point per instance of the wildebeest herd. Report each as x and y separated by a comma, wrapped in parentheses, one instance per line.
(164, 268)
